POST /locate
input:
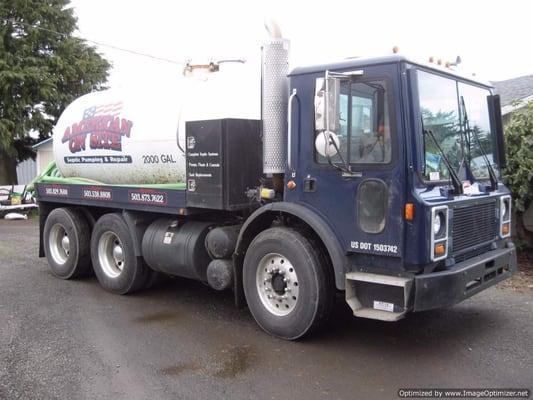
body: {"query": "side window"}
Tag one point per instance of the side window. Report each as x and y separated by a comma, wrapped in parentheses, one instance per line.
(362, 124)
(342, 125)
(362, 115)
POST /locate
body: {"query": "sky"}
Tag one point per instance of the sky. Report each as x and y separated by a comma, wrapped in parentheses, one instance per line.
(490, 36)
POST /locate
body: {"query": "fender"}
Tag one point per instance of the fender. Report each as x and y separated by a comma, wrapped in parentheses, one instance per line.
(258, 221)
(137, 224)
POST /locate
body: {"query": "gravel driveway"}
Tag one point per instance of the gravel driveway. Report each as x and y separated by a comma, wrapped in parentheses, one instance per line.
(72, 340)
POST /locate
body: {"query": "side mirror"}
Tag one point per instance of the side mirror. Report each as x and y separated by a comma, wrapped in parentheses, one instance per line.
(327, 143)
(495, 111)
(327, 104)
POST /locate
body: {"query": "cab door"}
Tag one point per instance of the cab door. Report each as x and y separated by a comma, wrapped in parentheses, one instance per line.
(349, 167)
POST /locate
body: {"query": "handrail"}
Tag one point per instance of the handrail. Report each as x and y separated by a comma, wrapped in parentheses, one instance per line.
(289, 130)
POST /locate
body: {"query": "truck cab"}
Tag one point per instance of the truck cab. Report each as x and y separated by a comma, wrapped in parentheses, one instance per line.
(373, 147)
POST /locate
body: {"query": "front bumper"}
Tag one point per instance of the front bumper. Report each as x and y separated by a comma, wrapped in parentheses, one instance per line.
(446, 288)
(389, 298)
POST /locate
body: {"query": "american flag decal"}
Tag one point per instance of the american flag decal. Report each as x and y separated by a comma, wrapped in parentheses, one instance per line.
(111, 109)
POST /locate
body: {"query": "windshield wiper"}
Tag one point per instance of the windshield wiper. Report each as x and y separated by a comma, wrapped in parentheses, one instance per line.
(456, 182)
(492, 174)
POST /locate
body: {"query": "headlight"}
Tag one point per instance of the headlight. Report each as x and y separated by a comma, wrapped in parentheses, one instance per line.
(504, 210)
(438, 223)
(439, 233)
(505, 216)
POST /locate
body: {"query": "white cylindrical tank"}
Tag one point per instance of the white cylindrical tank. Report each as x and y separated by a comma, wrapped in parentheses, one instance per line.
(137, 137)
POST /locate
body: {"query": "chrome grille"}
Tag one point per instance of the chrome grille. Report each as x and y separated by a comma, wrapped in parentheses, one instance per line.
(473, 224)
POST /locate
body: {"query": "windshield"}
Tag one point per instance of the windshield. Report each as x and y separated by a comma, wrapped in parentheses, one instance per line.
(454, 126)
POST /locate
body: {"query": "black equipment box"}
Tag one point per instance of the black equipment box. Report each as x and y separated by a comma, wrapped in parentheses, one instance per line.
(224, 159)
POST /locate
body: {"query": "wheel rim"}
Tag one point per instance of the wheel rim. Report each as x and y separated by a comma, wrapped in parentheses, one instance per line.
(277, 284)
(59, 244)
(111, 254)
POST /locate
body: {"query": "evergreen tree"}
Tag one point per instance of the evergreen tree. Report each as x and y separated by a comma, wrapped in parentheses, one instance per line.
(43, 67)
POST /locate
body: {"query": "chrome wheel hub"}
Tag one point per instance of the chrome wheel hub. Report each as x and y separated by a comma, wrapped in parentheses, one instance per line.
(277, 284)
(65, 243)
(111, 254)
(59, 244)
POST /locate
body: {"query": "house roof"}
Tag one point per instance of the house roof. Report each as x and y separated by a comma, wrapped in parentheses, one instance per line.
(42, 143)
(520, 88)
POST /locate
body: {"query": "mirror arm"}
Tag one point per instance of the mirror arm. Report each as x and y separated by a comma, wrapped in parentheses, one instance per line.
(348, 74)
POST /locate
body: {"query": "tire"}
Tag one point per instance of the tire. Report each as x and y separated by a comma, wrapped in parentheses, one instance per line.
(115, 264)
(66, 240)
(154, 279)
(279, 259)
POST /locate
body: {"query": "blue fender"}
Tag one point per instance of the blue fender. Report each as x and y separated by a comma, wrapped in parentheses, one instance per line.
(262, 217)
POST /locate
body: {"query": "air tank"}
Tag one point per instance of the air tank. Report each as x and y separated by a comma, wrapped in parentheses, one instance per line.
(138, 136)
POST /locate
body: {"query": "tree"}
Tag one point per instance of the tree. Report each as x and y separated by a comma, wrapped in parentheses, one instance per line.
(518, 173)
(43, 67)
(519, 149)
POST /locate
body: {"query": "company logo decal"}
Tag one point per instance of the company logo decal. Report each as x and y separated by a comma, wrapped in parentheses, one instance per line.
(102, 125)
(191, 142)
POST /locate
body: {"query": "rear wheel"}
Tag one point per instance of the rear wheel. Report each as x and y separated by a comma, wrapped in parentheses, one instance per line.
(66, 243)
(154, 279)
(286, 283)
(115, 264)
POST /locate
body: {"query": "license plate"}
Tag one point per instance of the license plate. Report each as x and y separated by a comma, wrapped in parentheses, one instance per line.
(383, 306)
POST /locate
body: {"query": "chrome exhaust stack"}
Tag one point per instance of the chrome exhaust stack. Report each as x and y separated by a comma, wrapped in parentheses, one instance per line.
(274, 97)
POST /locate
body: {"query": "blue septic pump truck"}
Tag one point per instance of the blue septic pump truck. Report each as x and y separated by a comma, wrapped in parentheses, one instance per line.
(376, 177)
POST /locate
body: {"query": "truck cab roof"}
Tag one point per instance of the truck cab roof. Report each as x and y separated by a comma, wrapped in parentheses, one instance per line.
(361, 62)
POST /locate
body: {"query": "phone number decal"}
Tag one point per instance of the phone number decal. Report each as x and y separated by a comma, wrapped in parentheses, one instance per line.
(147, 196)
(96, 193)
(54, 190)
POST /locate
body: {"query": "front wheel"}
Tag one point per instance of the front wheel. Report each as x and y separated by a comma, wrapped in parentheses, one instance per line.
(286, 283)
